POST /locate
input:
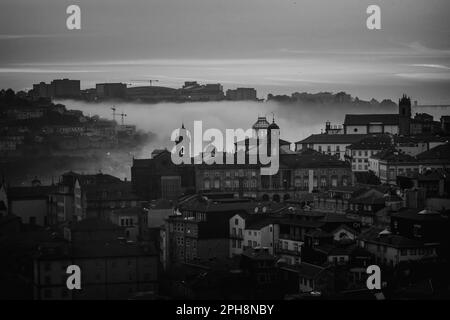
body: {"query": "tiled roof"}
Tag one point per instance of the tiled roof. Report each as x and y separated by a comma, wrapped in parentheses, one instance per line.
(333, 218)
(311, 159)
(114, 191)
(258, 254)
(110, 249)
(309, 270)
(93, 224)
(374, 142)
(332, 138)
(420, 215)
(258, 224)
(37, 192)
(318, 233)
(365, 119)
(392, 240)
(441, 152)
(394, 155)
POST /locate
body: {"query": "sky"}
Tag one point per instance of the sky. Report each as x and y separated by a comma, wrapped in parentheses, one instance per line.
(277, 46)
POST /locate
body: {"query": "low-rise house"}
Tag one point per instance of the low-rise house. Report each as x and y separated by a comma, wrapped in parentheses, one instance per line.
(31, 204)
(391, 249)
(111, 270)
(359, 153)
(331, 144)
(423, 225)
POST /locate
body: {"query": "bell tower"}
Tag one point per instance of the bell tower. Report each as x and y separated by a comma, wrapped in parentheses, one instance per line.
(404, 116)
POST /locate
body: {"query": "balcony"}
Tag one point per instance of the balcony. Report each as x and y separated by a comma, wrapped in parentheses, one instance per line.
(236, 236)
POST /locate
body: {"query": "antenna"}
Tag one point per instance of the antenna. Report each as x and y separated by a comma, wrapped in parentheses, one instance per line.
(149, 80)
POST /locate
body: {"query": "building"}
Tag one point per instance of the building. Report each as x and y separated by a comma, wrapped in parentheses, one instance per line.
(359, 153)
(31, 204)
(133, 219)
(110, 271)
(59, 88)
(98, 195)
(65, 88)
(391, 249)
(192, 91)
(201, 230)
(152, 93)
(435, 182)
(251, 231)
(289, 250)
(390, 163)
(158, 177)
(310, 279)
(445, 124)
(423, 225)
(423, 123)
(111, 90)
(330, 144)
(259, 266)
(42, 90)
(240, 94)
(381, 123)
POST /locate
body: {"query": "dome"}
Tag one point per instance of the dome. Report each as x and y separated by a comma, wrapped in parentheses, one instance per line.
(273, 125)
(261, 123)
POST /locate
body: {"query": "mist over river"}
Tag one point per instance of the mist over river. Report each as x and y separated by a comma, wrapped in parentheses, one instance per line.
(296, 121)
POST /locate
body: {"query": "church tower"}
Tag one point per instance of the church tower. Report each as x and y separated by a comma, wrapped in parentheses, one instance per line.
(404, 116)
(276, 128)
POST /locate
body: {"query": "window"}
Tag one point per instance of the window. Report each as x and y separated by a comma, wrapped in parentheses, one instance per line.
(236, 221)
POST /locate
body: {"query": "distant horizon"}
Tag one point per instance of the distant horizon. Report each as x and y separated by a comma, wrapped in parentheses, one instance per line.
(277, 90)
(277, 47)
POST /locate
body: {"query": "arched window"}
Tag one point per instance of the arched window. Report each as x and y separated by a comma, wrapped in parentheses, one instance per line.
(216, 183)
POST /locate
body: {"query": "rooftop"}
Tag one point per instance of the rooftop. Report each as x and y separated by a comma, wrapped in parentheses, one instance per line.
(365, 119)
(332, 138)
(378, 236)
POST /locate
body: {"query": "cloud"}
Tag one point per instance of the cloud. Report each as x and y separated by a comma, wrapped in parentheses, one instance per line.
(27, 36)
(424, 76)
(38, 70)
(434, 66)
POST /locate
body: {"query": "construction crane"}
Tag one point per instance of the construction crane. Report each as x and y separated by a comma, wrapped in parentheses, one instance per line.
(148, 80)
(114, 113)
(122, 115)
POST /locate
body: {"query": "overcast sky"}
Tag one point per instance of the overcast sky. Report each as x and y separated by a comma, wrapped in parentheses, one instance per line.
(274, 45)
